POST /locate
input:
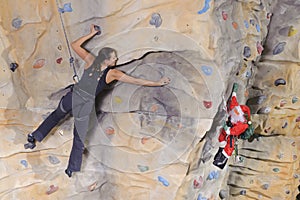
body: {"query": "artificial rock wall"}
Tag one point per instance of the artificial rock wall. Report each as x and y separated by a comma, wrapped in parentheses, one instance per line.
(153, 143)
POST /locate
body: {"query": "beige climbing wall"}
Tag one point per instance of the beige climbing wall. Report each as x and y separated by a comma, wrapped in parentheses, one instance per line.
(153, 143)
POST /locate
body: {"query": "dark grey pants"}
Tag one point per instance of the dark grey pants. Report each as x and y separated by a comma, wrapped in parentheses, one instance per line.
(81, 110)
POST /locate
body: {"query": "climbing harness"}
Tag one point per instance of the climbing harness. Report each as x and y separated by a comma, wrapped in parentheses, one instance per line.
(71, 59)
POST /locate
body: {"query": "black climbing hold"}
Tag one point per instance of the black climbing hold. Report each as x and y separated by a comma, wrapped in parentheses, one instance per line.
(279, 48)
(97, 28)
(13, 66)
(243, 192)
(280, 81)
(247, 51)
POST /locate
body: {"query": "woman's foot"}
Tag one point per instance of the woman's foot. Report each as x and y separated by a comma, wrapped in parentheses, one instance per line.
(68, 172)
(31, 142)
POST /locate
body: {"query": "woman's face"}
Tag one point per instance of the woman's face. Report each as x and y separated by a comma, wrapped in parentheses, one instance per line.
(113, 59)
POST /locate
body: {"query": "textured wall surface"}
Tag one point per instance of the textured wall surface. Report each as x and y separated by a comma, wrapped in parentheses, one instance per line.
(153, 143)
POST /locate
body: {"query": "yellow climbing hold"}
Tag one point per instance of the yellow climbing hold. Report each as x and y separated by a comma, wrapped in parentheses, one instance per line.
(292, 31)
(118, 99)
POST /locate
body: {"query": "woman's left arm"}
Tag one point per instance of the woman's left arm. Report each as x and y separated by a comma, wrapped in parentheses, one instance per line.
(115, 74)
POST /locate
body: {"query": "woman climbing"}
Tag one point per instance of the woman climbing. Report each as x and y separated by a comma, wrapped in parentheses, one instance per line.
(99, 72)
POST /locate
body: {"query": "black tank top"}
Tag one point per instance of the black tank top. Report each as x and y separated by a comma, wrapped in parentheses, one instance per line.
(93, 81)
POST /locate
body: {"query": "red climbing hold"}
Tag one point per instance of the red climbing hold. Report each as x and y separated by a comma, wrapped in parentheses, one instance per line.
(224, 15)
(207, 104)
(59, 60)
(52, 189)
(259, 47)
(109, 130)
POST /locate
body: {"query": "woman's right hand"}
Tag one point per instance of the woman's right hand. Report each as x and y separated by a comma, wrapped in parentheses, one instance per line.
(93, 30)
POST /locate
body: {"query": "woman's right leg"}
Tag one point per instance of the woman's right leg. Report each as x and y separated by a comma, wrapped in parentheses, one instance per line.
(64, 107)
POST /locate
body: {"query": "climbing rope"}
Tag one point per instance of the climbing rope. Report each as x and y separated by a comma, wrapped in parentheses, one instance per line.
(71, 59)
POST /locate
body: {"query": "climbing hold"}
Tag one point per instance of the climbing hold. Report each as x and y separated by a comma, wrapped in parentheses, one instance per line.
(248, 74)
(243, 192)
(67, 8)
(265, 186)
(298, 119)
(163, 181)
(257, 27)
(223, 194)
(247, 52)
(235, 25)
(246, 24)
(279, 48)
(261, 99)
(264, 110)
(109, 130)
(39, 63)
(156, 20)
(24, 163)
(59, 47)
(293, 143)
(198, 183)
(285, 125)
(93, 186)
(294, 99)
(292, 31)
(213, 175)
(207, 70)
(97, 28)
(118, 99)
(252, 22)
(207, 104)
(13, 66)
(283, 102)
(224, 15)
(143, 168)
(59, 60)
(52, 189)
(276, 170)
(16, 23)
(201, 198)
(53, 160)
(144, 140)
(295, 157)
(205, 7)
(259, 47)
(280, 81)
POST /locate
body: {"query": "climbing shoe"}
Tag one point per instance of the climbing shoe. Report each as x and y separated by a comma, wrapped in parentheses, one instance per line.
(220, 161)
(68, 172)
(31, 142)
(235, 87)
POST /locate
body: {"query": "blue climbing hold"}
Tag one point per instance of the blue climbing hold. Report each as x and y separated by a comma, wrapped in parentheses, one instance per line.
(207, 70)
(246, 24)
(16, 23)
(247, 52)
(257, 27)
(24, 163)
(156, 20)
(163, 181)
(205, 8)
(67, 8)
(213, 175)
(201, 198)
(279, 48)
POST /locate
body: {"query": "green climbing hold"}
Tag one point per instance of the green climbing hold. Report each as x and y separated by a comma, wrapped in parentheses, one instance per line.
(276, 170)
(295, 99)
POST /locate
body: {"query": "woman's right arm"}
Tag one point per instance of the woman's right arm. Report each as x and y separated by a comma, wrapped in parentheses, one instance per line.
(80, 51)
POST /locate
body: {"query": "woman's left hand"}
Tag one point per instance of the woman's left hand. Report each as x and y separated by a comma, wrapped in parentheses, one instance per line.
(164, 81)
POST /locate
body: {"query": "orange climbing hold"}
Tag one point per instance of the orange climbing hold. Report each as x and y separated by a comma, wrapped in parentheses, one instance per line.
(235, 25)
(39, 63)
(109, 130)
(144, 140)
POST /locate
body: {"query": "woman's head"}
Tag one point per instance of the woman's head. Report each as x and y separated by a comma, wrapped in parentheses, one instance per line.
(107, 56)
